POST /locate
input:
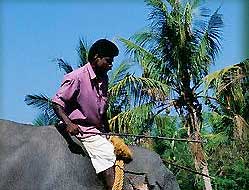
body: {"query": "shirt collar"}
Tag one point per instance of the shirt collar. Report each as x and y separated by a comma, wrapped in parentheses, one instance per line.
(90, 71)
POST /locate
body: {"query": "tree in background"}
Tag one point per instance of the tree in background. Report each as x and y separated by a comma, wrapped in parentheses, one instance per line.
(228, 140)
(177, 50)
(167, 99)
(228, 88)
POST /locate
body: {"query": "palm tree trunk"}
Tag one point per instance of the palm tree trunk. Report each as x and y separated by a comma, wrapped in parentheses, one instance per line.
(194, 126)
(207, 180)
(201, 163)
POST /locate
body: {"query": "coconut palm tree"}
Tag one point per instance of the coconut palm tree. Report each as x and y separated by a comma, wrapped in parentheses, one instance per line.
(228, 88)
(176, 51)
(228, 142)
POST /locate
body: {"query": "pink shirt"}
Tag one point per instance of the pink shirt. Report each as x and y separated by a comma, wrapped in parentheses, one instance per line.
(84, 98)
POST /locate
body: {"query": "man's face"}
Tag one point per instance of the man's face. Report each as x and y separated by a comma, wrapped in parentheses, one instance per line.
(104, 64)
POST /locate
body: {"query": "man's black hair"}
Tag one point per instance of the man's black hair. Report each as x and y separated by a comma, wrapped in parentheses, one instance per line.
(104, 48)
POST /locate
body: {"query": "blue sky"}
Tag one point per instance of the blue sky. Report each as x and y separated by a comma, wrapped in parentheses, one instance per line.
(33, 33)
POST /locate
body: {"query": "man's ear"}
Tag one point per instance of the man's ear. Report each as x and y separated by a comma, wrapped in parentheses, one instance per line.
(96, 59)
(96, 56)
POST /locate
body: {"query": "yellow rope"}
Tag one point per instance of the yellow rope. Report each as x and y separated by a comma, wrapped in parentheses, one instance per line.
(119, 175)
(122, 152)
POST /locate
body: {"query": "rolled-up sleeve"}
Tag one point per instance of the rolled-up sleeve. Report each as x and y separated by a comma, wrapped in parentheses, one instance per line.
(67, 91)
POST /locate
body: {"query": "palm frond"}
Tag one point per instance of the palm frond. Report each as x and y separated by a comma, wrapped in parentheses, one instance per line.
(230, 87)
(208, 36)
(119, 73)
(195, 3)
(214, 33)
(158, 13)
(140, 87)
(146, 59)
(200, 60)
(136, 50)
(82, 52)
(133, 120)
(41, 102)
(44, 120)
(64, 65)
(205, 12)
(215, 79)
(146, 39)
(230, 75)
(188, 17)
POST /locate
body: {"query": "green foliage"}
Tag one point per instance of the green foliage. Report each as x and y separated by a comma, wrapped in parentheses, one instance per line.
(229, 165)
(134, 121)
(177, 50)
(177, 152)
(175, 53)
(63, 65)
(44, 120)
(140, 88)
(227, 156)
(119, 73)
(83, 52)
(229, 87)
(43, 103)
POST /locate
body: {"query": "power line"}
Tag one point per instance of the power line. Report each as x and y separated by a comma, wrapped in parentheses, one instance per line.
(143, 136)
(186, 168)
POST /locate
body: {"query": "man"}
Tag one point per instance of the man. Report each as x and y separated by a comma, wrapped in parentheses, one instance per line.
(81, 104)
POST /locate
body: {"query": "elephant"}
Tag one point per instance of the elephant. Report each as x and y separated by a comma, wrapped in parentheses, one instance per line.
(39, 158)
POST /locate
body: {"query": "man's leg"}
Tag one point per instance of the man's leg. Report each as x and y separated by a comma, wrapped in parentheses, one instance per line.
(101, 152)
(108, 177)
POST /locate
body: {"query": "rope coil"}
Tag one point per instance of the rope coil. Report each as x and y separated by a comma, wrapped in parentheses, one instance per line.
(123, 153)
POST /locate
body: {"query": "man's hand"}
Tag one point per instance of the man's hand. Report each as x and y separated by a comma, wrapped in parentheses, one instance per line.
(72, 129)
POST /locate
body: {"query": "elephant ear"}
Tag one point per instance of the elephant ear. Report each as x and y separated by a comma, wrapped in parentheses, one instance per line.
(121, 150)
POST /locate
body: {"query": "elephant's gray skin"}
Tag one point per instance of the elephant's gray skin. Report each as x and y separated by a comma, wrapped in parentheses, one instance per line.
(38, 158)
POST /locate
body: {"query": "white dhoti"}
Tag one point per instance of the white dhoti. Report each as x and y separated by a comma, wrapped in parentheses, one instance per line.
(101, 152)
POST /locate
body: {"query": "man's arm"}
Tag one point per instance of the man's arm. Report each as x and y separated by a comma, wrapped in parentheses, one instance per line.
(72, 128)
